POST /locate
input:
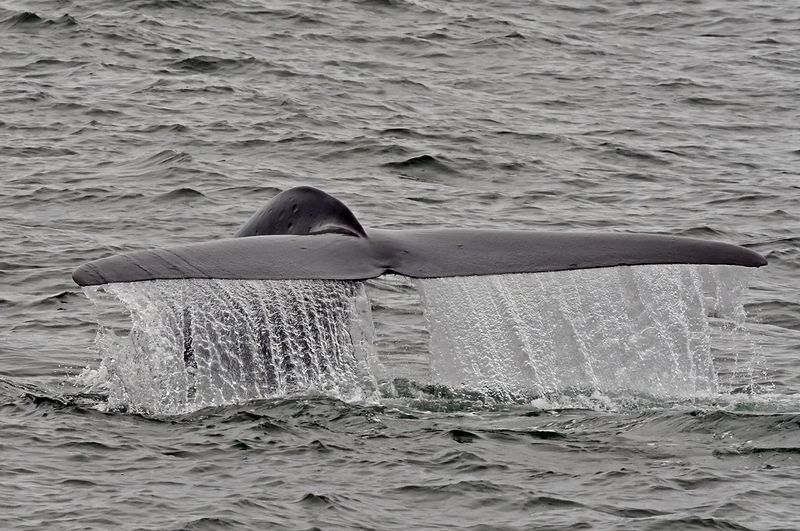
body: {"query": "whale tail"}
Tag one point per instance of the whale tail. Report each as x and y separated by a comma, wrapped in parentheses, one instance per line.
(304, 233)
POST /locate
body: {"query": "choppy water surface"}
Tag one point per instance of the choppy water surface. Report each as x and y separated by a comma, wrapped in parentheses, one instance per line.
(131, 125)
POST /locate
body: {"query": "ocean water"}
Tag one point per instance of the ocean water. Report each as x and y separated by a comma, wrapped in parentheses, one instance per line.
(149, 123)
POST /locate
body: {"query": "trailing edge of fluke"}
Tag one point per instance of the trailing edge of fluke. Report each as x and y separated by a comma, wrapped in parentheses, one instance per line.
(304, 233)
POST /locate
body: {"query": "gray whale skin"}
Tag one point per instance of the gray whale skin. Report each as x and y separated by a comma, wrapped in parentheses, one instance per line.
(304, 233)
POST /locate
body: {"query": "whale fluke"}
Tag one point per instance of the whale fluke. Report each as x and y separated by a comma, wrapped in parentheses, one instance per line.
(306, 234)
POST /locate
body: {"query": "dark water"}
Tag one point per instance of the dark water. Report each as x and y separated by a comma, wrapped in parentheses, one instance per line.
(128, 125)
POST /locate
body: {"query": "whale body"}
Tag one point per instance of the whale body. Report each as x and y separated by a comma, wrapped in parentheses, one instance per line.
(306, 234)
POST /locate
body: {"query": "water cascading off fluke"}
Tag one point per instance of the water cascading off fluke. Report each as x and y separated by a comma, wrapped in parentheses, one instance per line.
(199, 343)
(630, 332)
(627, 331)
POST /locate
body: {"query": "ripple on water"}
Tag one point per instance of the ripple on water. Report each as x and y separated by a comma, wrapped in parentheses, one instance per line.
(676, 118)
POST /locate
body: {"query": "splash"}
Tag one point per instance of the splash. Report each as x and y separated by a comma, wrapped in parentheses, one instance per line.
(622, 331)
(199, 343)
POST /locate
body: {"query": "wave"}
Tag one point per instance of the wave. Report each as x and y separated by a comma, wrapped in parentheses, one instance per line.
(211, 63)
(423, 167)
(181, 194)
(28, 19)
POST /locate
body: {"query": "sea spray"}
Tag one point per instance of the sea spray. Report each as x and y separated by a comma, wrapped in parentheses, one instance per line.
(197, 343)
(644, 331)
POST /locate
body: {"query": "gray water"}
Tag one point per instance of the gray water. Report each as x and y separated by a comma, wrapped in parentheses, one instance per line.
(125, 126)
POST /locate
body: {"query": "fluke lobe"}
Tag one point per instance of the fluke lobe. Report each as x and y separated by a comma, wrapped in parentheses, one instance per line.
(304, 233)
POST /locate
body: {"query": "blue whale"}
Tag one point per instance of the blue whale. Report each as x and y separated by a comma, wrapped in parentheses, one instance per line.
(304, 233)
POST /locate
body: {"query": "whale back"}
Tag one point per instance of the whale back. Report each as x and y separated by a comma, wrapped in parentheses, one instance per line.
(303, 211)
